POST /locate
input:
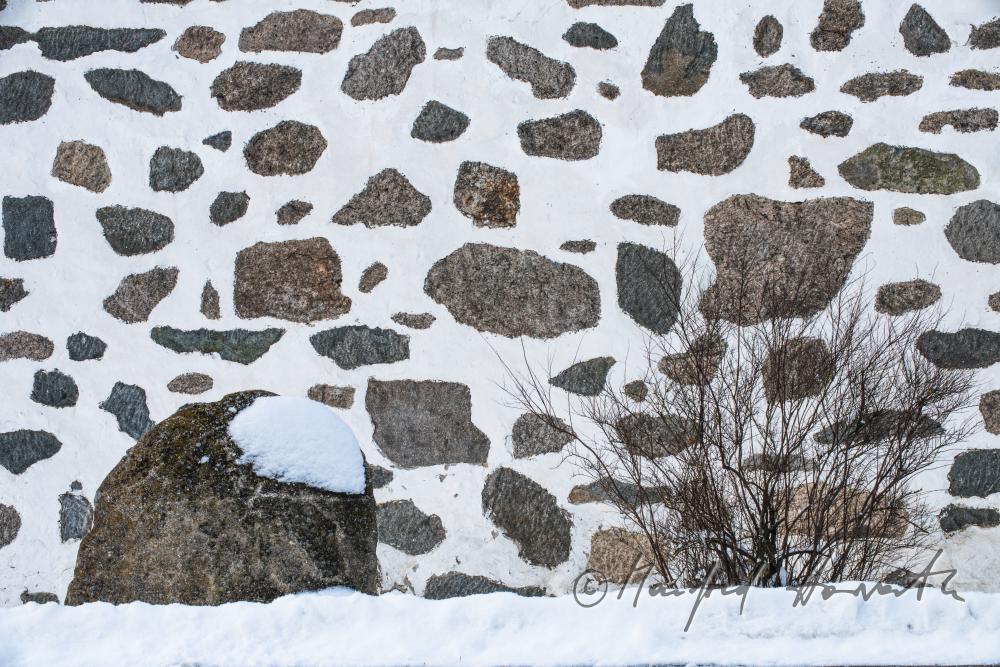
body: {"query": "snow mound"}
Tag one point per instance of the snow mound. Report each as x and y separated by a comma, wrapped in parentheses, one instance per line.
(299, 440)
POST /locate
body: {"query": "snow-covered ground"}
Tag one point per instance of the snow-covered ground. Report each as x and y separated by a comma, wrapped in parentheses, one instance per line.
(339, 627)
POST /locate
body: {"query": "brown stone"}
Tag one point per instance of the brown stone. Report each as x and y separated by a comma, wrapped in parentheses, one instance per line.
(82, 164)
(335, 397)
(201, 43)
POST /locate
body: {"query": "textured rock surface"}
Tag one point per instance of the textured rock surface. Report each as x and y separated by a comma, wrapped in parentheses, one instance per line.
(237, 345)
(922, 36)
(975, 79)
(445, 53)
(66, 43)
(608, 90)
(989, 408)
(201, 43)
(210, 302)
(76, 516)
(293, 212)
(29, 228)
(905, 169)
(251, 86)
(548, 78)
(533, 435)
(646, 210)
(388, 198)
(228, 207)
(402, 525)
(966, 348)
(577, 4)
(139, 293)
(25, 96)
(386, 67)
(698, 364)
(778, 81)
(370, 16)
(174, 169)
(438, 123)
(372, 277)
(713, 151)
(460, 585)
(335, 397)
(19, 450)
(767, 36)
(649, 286)
(681, 58)
(974, 232)
(134, 89)
(954, 518)
(614, 552)
(135, 231)
(513, 292)
(127, 402)
(907, 217)
(904, 297)
(975, 473)
(82, 347)
(55, 389)
(82, 164)
(961, 120)
(828, 124)
(837, 23)
(38, 597)
(985, 36)
(168, 528)
(220, 141)
(491, 196)
(291, 280)
(355, 346)
(604, 490)
(802, 367)
(300, 30)
(414, 320)
(589, 35)
(802, 175)
(572, 136)
(425, 423)
(585, 378)
(24, 345)
(290, 148)
(870, 87)
(581, 247)
(191, 383)
(11, 291)
(654, 435)
(781, 258)
(10, 524)
(529, 515)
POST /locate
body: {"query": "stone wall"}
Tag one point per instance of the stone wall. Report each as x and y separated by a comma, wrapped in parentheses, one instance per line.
(376, 204)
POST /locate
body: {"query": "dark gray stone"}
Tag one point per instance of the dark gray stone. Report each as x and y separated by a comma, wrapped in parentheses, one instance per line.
(135, 231)
(210, 301)
(24, 345)
(529, 515)
(869, 87)
(301, 30)
(713, 151)
(19, 450)
(649, 287)
(767, 36)
(402, 525)
(191, 383)
(25, 96)
(449, 54)
(220, 141)
(139, 293)
(589, 35)
(922, 36)
(82, 164)
(414, 320)
(372, 16)
(228, 207)
(646, 210)
(975, 79)
(967, 348)
(355, 346)
(549, 78)
(289, 148)
(252, 86)
(974, 232)
(181, 519)
(11, 36)
(201, 43)
(828, 124)
(29, 228)
(134, 89)
(585, 378)
(460, 585)
(388, 198)
(989, 408)
(778, 81)
(293, 280)
(425, 423)
(907, 216)
(802, 175)
(127, 402)
(955, 517)
(489, 195)
(961, 120)
(513, 292)
(386, 67)
(654, 436)
(38, 597)
(985, 36)
(608, 90)
(905, 297)
(76, 517)
(173, 169)
(975, 473)
(439, 123)
(372, 277)
(912, 170)
(11, 291)
(571, 136)
(237, 345)
(581, 247)
(76, 41)
(837, 23)
(534, 435)
(341, 398)
(10, 524)
(293, 212)
(55, 389)
(82, 347)
(681, 58)
(379, 476)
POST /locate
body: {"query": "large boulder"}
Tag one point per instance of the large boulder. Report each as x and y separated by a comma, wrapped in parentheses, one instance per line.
(216, 504)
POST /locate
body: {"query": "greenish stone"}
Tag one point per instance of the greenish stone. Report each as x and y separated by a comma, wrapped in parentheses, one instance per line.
(239, 345)
(913, 170)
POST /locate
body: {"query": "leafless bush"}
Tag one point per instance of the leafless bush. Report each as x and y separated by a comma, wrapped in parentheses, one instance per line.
(782, 449)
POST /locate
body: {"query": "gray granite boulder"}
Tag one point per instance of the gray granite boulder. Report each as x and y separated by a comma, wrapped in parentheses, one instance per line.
(954, 518)
(438, 123)
(798, 369)
(10, 524)
(228, 207)
(221, 141)
(589, 35)
(529, 516)
(209, 306)
(174, 169)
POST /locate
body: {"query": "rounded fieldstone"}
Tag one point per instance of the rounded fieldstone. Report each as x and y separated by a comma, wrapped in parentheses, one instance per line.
(135, 231)
(290, 148)
(905, 169)
(173, 169)
(449, 54)
(649, 287)
(975, 79)
(548, 78)
(191, 383)
(905, 297)
(961, 120)
(529, 515)
(134, 89)
(385, 69)
(589, 35)
(585, 378)
(965, 349)
(767, 36)
(646, 210)
(974, 232)
(681, 58)
(228, 207)
(372, 277)
(489, 195)
(54, 389)
(25, 345)
(713, 151)
(800, 368)
(837, 23)
(828, 124)
(388, 199)
(637, 390)
(608, 90)
(82, 164)
(301, 30)
(82, 347)
(25, 96)
(975, 473)
(139, 293)
(581, 247)
(438, 123)
(654, 435)
(252, 86)
(201, 43)
(402, 525)
(571, 136)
